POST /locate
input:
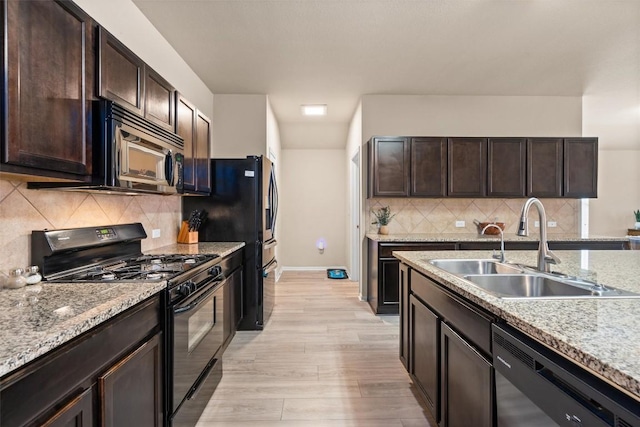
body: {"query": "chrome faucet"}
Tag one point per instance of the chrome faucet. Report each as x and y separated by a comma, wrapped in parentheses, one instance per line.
(501, 257)
(545, 256)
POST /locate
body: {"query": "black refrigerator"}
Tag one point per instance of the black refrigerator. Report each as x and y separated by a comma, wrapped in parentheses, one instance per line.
(243, 207)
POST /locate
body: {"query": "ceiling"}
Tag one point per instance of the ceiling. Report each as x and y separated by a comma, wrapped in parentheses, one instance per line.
(334, 51)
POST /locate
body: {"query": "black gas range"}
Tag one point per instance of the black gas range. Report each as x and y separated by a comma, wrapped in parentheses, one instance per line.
(195, 303)
(107, 254)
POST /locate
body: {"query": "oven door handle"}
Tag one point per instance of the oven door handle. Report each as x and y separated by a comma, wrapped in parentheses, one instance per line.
(178, 309)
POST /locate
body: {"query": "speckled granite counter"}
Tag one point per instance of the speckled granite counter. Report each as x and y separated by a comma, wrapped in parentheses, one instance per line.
(474, 237)
(601, 335)
(37, 319)
(221, 248)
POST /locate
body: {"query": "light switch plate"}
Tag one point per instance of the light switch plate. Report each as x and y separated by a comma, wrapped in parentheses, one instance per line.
(460, 224)
(552, 224)
(536, 224)
(155, 233)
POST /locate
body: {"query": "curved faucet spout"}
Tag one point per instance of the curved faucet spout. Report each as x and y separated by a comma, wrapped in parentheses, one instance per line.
(502, 256)
(545, 256)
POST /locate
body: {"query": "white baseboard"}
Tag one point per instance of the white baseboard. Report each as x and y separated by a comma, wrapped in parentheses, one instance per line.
(312, 268)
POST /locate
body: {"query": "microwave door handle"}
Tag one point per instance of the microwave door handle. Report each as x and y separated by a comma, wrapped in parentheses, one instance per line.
(168, 168)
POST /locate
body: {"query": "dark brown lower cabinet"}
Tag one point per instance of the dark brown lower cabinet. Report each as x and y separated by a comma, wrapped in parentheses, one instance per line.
(77, 413)
(111, 375)
(233, 302)
(130, 392)
(404, 315)
(425, 352)
(468, 396)
(383, 287)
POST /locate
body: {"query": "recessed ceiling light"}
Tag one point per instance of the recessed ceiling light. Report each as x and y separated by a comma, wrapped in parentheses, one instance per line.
(314, 110)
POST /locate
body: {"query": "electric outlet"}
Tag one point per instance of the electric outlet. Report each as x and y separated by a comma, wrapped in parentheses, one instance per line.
(552, 224)
(155, 233)
(536, 224)
(460, 224)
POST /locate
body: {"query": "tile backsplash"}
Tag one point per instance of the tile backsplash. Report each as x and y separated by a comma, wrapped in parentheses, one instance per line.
(440, 215)
(23, 210)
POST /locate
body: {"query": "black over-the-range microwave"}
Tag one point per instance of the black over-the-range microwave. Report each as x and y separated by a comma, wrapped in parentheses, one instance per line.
(130, 155)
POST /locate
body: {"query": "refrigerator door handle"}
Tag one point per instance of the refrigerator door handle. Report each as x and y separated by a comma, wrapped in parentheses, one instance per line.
(270, 244)
(269, 268)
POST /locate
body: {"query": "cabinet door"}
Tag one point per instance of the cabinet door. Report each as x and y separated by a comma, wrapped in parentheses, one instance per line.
(404, 315)
(506, 167)
(467, 167)
(581, 167)
(428, 167)
(544, 167)
(49, 66)
(389, 167)
(130, 392)
(389, 286)
(120, 73)
(425, 352)
(202, 163)
(159, 100)
(185, 127)
(77, 413)
(468, 390)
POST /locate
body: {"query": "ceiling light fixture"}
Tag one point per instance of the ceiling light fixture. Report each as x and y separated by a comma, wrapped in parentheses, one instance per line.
(314, 110)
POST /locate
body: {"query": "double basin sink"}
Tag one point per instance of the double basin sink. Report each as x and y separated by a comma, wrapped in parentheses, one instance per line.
(512, 281)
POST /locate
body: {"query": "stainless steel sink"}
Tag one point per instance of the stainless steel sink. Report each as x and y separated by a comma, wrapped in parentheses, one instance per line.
(474, 266)
(526, 286)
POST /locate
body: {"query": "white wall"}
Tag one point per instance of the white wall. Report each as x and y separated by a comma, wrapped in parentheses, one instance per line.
(353, 148)
(239, 125)
(316, 135)
(471, 115)
(312, 208)
(615, 120)
(139, 35)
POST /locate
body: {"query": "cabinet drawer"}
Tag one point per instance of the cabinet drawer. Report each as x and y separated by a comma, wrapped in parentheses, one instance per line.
(386, 249)
(459, 314)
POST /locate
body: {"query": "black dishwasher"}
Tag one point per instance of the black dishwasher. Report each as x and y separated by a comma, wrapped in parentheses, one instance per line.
(535, 387)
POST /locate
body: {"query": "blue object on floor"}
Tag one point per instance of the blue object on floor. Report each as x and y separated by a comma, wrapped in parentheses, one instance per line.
(337, 273)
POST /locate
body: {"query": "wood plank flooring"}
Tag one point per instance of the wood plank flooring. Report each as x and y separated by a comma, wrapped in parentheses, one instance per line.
(323, 360)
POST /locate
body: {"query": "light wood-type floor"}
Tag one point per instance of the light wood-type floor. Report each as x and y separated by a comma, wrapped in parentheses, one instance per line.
(323, 360)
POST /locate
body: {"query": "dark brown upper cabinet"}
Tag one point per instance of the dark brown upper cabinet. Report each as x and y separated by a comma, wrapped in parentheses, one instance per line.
(125, 79)
(159, 100)
(389, 175)
(580, 167)
(48, 66)
(507, 163)
(544, 167)
(428, 167)
(120, 73)
(195, 129)
(467, 167)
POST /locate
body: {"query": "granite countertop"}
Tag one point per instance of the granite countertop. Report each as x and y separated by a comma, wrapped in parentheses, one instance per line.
(221, 248)
(602, 335)
(36, 319)
(474, 237)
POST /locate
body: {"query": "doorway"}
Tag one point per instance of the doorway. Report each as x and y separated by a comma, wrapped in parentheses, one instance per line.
(355, 215)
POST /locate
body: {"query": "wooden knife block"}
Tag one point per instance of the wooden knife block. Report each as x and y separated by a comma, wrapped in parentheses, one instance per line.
(186, 236)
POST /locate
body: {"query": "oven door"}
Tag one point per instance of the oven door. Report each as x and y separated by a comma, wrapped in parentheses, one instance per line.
(145, 162)
(197, 336)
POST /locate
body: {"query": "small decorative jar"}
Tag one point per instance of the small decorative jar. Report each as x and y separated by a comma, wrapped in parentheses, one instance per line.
(32, 275)
(384, 229)
(16, 279)
(638, 225)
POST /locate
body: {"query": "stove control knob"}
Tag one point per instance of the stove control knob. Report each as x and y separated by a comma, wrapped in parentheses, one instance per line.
(184, 290)
(192, 286)
(215, 270)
